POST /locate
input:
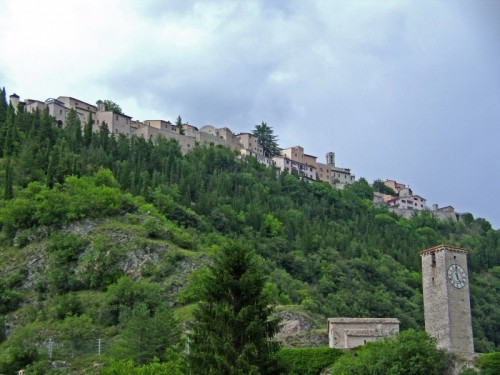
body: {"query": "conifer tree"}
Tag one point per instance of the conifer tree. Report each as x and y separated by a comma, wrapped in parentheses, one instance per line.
(3, 105)
(233, 329)
(8, 190)
(266, 139)
(87, 132)
(73, 130)
(178, 123)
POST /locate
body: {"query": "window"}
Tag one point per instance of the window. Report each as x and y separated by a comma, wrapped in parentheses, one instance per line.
(116, 117)
(60, 111)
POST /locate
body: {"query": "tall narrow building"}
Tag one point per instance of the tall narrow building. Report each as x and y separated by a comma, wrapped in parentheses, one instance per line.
(446, 298)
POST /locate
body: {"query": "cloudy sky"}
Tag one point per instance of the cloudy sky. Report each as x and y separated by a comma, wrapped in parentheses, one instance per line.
(404, 90)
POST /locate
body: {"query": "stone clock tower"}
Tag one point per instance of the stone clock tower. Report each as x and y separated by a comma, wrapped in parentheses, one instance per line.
(446, 298)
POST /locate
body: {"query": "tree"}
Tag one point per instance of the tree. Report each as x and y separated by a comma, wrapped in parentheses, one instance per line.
(233, 330)
(73, 131)
(178, 123)
(146, 336)
(267, 140)
(379, 186)
(109, 105)
(8, 192)
(408, 353)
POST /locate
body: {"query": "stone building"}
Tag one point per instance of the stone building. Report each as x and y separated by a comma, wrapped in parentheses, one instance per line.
(446, 298)
(339, 177)
(294, 159)
(346, 333)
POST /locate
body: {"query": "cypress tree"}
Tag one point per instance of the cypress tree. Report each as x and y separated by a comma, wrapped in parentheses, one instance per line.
(8, 190)
(233, 329)
(87, 132)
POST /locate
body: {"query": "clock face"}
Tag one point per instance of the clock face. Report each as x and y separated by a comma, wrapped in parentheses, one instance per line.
(457, 276)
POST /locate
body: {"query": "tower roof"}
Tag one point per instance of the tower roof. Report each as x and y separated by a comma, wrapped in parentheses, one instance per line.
(444, 247)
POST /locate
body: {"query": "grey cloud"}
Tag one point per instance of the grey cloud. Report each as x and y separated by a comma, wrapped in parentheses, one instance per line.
(398, 91)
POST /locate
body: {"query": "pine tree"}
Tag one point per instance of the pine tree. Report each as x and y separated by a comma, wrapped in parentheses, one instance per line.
(233, 329)
(267, 140)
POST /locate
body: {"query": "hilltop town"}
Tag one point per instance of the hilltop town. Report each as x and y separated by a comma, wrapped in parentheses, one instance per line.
(401, 201)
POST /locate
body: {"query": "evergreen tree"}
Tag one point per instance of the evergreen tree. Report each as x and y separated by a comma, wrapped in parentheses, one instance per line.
(146, 335)
(3, 105)
(87, 132)
(9, 132)
(73, 130)
(8, 190)
(178, 123)
(267, 140)
(233, 329)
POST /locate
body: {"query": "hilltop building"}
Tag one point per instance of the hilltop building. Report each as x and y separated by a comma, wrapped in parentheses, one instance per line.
(291, 160)
(14, 100)
(339, 176)
(406, 204)
(294, 159)
(250, 147)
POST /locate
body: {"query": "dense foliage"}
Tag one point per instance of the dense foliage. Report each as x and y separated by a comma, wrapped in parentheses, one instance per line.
(308, 361)
(408, 353)
(319, 246)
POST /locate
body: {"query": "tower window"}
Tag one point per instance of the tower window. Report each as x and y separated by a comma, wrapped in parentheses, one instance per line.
(433, 261)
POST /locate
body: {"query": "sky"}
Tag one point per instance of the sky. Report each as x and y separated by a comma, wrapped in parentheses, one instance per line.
(402, 90)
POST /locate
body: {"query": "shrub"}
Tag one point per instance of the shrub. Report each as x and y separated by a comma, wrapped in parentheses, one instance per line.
(489, 363)
(409, 353)
(308, 361)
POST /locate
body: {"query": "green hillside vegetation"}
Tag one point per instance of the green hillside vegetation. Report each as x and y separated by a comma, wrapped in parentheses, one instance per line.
(105, 237)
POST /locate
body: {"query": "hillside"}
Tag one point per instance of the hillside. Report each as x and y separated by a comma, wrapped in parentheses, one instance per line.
(95, 224)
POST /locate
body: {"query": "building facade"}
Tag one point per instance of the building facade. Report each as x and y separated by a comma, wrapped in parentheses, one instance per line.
(339, 177)
(346, 333)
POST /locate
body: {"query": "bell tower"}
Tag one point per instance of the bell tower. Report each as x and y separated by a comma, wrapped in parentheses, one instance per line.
(446, 298)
